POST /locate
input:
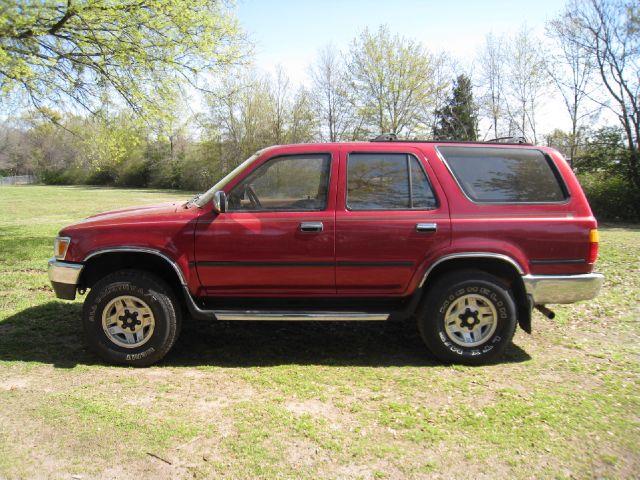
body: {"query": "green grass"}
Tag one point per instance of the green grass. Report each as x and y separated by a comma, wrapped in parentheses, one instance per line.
(307, 400)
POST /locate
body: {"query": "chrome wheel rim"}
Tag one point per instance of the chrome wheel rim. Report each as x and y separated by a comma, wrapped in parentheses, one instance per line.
(128, 322)
(471, 320)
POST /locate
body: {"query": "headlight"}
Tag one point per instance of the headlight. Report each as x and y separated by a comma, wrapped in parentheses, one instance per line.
(60, 246)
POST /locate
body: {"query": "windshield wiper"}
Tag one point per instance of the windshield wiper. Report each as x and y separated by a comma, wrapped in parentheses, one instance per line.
(194, 199)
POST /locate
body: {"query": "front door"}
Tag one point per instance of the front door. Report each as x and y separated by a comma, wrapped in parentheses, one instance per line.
(391, 214)
(278, 234)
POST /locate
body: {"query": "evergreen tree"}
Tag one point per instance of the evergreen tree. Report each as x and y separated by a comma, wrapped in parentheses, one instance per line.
(458, 120)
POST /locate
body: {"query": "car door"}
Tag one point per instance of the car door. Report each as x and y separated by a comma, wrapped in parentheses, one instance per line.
(391, 213)
(278, 233)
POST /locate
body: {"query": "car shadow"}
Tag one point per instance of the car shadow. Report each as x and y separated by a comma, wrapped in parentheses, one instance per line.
(52, 333)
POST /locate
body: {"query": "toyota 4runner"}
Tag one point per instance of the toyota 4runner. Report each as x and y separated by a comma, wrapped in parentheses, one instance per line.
(463, 238)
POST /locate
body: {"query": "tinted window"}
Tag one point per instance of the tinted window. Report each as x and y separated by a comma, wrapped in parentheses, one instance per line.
(504, 174)
(292, 183)
(422, 195)
(387, 181)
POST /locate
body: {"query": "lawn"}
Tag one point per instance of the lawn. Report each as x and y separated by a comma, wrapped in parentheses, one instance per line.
(307, 400)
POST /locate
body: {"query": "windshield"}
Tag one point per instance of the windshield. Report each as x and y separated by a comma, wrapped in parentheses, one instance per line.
(207, 196)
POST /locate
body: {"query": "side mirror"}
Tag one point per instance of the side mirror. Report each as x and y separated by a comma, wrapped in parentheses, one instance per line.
(220, 201)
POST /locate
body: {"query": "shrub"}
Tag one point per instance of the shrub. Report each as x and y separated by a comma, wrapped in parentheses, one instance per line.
(101, 177)
(611, 197)
(135, 174)
(58, 176)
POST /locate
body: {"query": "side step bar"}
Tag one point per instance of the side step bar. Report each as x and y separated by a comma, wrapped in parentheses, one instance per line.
(275, 315)
(298, 316)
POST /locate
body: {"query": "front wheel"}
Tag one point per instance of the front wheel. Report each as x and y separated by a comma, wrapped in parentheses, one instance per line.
(131, 317)
(469, 317)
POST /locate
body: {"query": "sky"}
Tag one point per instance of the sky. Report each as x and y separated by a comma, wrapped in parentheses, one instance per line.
(290, 33)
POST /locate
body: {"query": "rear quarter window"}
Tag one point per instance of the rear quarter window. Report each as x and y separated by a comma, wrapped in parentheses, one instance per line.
(505, 175)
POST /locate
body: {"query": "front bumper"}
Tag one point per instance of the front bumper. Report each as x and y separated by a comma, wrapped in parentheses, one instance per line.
(64, 278)
(545, 289)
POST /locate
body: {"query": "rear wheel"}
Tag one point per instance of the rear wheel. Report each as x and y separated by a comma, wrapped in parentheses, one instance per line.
(131, 317)
(468, 317)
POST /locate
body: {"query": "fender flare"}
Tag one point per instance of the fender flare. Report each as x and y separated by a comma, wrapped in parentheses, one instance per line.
(146, 250)
(454, 256)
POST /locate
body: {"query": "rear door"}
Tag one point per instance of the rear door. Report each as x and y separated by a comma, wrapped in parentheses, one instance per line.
(390, 215)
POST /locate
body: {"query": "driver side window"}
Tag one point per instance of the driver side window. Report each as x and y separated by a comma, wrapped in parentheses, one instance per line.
(296, 183)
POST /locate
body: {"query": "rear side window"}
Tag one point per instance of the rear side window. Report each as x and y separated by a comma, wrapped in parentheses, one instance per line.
(387, 181)
(505, 175)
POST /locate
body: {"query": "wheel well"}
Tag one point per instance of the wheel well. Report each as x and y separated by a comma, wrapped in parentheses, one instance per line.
(103, 264)
(501, 269)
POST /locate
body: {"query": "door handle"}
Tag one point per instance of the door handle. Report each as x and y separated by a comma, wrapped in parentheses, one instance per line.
(426, 227)
(311, 227)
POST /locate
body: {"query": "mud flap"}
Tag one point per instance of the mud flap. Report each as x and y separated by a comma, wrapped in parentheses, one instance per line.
(524, 315)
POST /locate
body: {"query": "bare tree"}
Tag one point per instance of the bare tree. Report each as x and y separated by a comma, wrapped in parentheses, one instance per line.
(303, 118)
(280, 93)
(249, 111)
(240, 117)
(329, 94)
(571, 70)
(609, 31)
(15, 156)
(491, 72)
(526, 82)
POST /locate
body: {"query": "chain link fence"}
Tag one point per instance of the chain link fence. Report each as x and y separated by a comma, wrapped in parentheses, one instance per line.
(18, 180)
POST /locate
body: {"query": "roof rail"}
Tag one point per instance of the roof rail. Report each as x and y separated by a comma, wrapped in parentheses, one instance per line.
(510, 139)
(392, 137)
(386, 137)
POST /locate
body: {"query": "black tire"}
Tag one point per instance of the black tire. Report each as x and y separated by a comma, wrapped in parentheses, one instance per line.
(151, 290)
(453, 286)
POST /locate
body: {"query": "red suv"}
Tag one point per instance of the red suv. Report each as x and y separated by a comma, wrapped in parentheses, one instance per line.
(465, 238)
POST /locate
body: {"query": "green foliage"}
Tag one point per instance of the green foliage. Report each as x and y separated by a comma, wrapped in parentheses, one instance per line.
(603, 151)
(394, 82)
(56, 177)
(53, 51)
(458, 120)
(603, 163)
(612, 197)
(566, 142)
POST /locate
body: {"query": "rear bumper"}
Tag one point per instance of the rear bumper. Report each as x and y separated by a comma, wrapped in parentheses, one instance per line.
(545, 289)
(64, 278)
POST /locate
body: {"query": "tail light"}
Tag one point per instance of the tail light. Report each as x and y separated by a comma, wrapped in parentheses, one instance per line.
(593, 246)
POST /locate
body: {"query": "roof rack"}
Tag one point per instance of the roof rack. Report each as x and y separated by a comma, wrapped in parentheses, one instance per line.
(386, 137)
(511, 139)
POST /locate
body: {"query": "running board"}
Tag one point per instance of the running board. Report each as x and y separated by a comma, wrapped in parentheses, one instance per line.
(299, 316)
(196, 311)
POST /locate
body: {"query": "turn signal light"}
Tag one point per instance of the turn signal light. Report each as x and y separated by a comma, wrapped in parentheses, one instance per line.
(60, 246)
(594, 238)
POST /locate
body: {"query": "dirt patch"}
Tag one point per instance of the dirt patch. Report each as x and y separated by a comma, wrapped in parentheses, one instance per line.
(315, 408)
(14, 384)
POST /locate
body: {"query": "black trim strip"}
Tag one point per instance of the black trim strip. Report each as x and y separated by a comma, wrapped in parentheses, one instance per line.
(374, 264)
(301, 264)
(264, 264)
(559, 260)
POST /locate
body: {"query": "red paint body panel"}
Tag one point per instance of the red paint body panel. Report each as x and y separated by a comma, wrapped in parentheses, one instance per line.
(358, 253)
(167, 228)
